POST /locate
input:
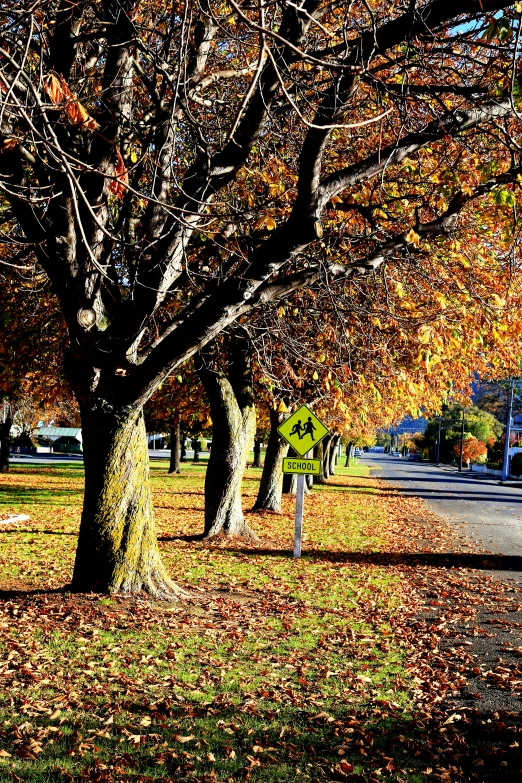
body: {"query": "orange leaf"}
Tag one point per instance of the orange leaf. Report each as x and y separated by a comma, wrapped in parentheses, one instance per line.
(78, 114)
(53, 88)
(9, 144)
(117, 186)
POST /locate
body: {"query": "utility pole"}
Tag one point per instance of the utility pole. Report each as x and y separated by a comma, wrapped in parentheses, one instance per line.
(462, 440)
(437, 452)
(505, 463)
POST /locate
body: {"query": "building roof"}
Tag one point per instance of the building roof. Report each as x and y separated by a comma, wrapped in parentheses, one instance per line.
(59, 432)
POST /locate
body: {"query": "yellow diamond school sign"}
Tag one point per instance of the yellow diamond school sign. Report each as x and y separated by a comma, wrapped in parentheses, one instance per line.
(302, 430)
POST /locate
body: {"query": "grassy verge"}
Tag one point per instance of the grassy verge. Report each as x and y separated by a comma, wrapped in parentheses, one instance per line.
(274, 670)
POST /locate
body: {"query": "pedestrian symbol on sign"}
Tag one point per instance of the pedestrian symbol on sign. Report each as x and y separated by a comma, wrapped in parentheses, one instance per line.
(302, 430)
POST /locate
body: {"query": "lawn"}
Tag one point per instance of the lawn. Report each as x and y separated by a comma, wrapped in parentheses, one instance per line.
(271, 670)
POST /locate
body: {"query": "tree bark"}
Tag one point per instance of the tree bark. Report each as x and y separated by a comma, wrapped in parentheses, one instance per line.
(117, 547)
(326, 455)
(290, 479)
(234, 421)
(348, 455)
(175, 448)
(5, 442)
(333, 453)
(271, 486)
(319, 454)
(257, 454)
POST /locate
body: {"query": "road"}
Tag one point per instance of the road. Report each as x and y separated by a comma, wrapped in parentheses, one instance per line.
(478, 507)
(46, 459)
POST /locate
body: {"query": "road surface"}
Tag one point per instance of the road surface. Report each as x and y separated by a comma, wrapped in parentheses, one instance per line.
(478, 507)
(46, 459)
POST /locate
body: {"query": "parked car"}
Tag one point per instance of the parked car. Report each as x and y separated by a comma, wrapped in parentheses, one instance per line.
(357, 452)
(396, 454)
(415, 457)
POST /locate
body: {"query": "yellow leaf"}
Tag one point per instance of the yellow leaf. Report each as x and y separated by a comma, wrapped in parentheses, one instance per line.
(424, 334)
(412, 237)
(315, 376)
(270, 223)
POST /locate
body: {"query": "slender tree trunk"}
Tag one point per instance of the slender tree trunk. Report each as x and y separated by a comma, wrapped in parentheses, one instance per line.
(309, 482)
(333, 453)
(348, 455)
(175, 448)
(326, 455)
(257, 453)
(271, 485)
(290, 479)
(117, 547)
(183, 448)
(319, 454)
(234, 421)
(5, 442)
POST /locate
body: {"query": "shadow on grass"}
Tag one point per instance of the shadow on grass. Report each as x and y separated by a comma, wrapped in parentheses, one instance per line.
(435, 559)
(193, 537)
(349, 745)
(40, 532)
(9, 595)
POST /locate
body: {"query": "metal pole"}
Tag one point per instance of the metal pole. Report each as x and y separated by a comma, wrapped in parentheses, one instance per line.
(462, 440)
(437, 452)
(299, 503)
(505, 464)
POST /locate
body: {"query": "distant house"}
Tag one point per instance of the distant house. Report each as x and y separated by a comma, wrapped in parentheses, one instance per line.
(62, 439)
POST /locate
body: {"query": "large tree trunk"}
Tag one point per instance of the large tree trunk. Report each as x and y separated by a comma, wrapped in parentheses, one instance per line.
(175, 449)
(333, 453)
(271, 485)
(117, 547)
(234, 421)
(257, 454)
(5, 442)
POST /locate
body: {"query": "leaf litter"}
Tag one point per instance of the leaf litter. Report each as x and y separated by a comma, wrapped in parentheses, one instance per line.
(361, 662)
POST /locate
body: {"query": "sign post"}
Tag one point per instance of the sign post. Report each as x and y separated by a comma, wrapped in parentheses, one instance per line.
(299, 504)
(302, 430)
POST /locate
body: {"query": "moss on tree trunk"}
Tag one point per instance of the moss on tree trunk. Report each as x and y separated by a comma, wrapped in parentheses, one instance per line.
(271, 485)
(117, 547)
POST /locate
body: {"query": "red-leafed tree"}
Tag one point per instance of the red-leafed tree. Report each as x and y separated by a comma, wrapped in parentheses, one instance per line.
(473, 450)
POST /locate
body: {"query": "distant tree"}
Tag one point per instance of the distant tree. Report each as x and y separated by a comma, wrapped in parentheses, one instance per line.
(473, 451)
(478, 424)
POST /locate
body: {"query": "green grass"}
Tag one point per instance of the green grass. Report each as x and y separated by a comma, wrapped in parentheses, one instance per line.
(275, 671)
